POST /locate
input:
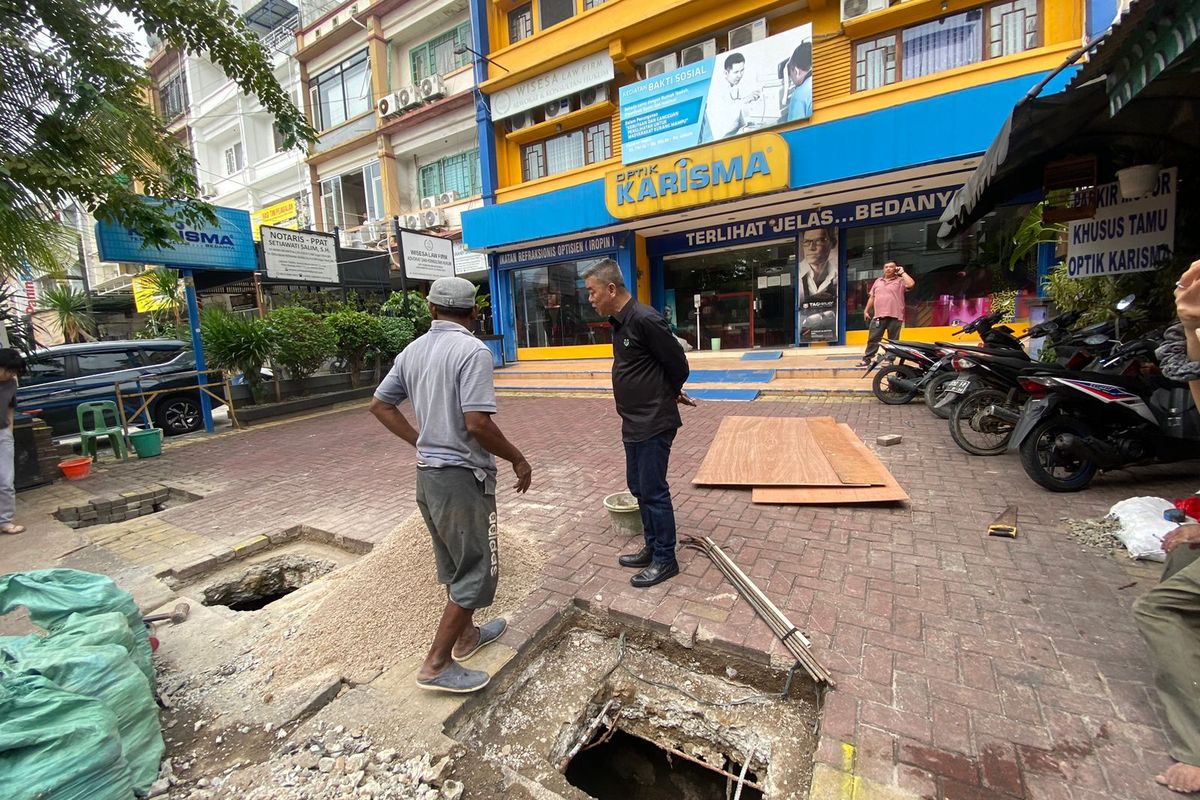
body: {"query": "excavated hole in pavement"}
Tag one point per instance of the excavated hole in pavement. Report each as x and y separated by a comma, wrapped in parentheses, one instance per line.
(263, 584)
(123, 506)
(587, 715)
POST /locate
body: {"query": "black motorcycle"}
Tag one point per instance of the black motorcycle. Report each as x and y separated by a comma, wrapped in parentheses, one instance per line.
(1078, 423)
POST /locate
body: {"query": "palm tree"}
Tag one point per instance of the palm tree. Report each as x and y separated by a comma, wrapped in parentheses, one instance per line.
(70, 310)
(167, 291)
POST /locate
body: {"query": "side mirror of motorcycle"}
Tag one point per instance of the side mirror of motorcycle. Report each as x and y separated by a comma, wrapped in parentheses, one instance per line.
(1126, 303)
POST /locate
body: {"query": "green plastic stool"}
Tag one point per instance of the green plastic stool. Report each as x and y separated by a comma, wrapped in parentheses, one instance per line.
(93, 426)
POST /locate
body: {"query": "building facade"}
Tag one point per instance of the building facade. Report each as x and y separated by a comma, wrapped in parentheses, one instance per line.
(390, 87)
(751, 165)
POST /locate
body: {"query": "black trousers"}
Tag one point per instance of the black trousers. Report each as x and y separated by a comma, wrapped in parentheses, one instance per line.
(879, 325)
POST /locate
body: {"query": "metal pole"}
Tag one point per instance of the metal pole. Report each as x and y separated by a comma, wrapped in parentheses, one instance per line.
(400, 261)
(197, 347)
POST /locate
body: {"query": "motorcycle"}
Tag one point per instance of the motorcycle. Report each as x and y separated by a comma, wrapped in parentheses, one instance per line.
(1079, 423)
(917, 367)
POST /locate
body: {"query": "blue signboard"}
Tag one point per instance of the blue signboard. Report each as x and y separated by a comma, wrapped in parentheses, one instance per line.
(758, 85)
(228, 245)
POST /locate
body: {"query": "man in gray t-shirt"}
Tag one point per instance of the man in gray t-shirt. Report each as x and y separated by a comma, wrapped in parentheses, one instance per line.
(447, 373)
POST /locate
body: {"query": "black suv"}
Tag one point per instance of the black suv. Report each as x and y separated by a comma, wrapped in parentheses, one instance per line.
(59, 379)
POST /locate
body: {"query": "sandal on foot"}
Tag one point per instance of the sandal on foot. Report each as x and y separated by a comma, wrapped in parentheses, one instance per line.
(456, 679)
(12, 530)
(488, 633)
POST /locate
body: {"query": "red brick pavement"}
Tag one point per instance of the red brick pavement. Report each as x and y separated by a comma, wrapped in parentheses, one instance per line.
(967, 666)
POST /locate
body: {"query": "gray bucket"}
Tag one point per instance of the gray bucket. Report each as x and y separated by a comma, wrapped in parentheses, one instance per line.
(624, 513)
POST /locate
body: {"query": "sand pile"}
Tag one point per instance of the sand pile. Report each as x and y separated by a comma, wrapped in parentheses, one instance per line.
(385, 607)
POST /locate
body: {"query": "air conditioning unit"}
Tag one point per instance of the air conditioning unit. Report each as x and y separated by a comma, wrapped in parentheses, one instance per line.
(432, 87)
(208, 190)
(388, 105)
(407, 97)
(750, 32)
(698, 52)
(658, 66)
(558, 108)
(433, 218)
(518, 121)
(594, 95)
(429, 202)
(446, 198)
(411, 221)
(857, 8)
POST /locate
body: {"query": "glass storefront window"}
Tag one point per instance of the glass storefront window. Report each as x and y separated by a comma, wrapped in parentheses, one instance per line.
(954, 285)
(551, 307)
(747, 296)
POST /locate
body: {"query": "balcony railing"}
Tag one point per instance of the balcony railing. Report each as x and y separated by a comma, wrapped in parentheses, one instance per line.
(283, 36)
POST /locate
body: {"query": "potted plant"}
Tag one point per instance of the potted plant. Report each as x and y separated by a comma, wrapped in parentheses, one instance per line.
(303, 341)
(355, 332)
(238, 344)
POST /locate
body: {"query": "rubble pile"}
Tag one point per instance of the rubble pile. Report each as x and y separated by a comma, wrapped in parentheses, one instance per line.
(334, 764)
(1100, 534)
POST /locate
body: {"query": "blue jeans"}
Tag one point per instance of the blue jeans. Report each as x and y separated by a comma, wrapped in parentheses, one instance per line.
(646, 474)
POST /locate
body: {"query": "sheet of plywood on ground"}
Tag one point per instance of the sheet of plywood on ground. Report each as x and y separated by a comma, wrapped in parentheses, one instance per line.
(844, 451)
(765, 451)
(890, 492)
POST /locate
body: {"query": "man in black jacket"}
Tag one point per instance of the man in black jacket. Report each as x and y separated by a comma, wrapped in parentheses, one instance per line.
(649, 370)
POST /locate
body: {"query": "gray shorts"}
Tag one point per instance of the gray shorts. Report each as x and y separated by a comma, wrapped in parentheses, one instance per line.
(460, 512)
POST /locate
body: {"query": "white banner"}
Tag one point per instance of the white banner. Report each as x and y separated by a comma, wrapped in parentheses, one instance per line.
(1125, 235)
(553, 85)
(425, 257)
(299, 256)
(466, 262)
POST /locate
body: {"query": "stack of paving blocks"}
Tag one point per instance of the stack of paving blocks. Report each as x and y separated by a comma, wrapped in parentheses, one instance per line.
(115, 508)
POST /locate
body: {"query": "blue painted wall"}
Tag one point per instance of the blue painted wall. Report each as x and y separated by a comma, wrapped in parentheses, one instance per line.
(1100, 15)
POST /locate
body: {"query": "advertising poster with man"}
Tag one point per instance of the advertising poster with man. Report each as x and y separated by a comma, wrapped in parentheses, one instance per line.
(759, 85)
(817, 274)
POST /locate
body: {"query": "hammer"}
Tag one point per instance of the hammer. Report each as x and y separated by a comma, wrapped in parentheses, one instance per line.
(177, 615)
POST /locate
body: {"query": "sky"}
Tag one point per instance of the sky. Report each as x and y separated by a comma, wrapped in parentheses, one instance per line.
(127, 24)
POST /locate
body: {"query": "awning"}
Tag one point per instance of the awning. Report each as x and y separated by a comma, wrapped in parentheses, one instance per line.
(1013, 165)
(1155, 124)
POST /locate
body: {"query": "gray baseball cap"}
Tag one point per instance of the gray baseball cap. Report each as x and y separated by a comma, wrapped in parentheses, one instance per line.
(452, 293)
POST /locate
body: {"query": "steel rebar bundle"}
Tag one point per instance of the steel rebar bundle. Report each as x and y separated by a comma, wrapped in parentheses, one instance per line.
(796, 642)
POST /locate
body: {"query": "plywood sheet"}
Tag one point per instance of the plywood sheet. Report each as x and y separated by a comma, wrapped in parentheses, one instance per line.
(765, 451)
(890, 492)
(843, 449)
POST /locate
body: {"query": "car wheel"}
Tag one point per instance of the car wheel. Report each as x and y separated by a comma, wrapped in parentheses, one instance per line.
(178, 414)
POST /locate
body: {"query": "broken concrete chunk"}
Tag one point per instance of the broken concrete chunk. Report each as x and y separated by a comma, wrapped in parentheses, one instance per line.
(889, 439)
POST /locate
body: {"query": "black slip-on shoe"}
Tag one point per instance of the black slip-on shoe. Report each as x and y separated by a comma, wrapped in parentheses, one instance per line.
(642, 558)
(657, 572)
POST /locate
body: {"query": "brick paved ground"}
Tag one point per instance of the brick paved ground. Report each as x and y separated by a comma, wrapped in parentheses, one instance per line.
(968, 667)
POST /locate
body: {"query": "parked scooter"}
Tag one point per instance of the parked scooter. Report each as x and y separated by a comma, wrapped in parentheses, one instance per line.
(912, 367)
(1076, 424)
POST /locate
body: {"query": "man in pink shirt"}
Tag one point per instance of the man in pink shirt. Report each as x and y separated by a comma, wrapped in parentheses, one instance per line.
(885, 308)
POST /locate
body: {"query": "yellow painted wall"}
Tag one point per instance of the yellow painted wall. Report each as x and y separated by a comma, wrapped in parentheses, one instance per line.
(564, 353)
(642, 264)
(633, 30)
(939, 334)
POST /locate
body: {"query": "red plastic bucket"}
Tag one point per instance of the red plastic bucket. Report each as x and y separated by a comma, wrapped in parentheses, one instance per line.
(76, 468)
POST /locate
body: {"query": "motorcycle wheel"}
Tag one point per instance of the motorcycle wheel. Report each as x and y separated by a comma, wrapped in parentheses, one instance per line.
(1052, 470)
(978, 433)
(933, 395)
(882, 385)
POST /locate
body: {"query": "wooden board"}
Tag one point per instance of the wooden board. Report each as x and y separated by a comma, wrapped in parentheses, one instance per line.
(890, 492)
(842, 448)
(765, 451)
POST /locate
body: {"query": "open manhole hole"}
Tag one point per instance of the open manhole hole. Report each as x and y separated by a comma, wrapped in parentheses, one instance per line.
(594, 712)
(262, 584)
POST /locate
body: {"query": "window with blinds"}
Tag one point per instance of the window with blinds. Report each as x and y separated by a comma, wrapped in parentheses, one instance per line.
(567, 151)
(951, 41)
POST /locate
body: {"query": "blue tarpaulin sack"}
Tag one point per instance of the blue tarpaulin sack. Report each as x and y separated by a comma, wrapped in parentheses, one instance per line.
(58, 745)
(53, 595)
(105, 673)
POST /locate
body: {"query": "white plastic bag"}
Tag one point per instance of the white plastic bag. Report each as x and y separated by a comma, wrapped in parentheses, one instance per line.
(1143, 526)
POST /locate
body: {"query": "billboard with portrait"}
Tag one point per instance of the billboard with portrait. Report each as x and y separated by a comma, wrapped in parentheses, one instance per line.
(756, 86)
(817, 276)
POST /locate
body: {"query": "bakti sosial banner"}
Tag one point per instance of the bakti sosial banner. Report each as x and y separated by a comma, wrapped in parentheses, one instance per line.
(759, 85)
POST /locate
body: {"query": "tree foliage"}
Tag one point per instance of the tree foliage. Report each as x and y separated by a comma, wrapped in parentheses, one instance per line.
(70, 311)
(356, 332)
(74, 120)
(236, 343)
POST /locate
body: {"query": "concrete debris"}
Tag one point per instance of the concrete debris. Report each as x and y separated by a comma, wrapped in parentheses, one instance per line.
(889, 440)
(308, 770)
(1098, 534)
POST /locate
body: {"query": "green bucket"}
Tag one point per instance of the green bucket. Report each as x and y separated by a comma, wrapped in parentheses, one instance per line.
(148, 443)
